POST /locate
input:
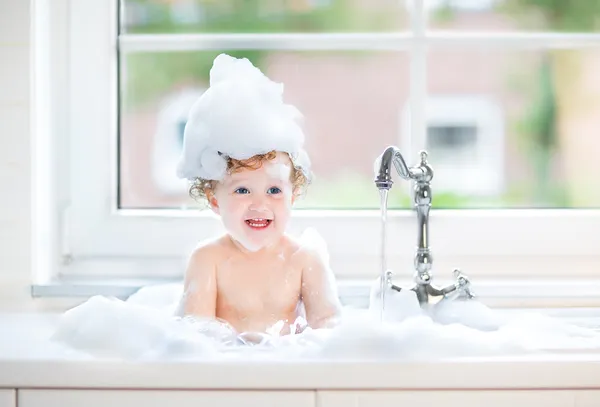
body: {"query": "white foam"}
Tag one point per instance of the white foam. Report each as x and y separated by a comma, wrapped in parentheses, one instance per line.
(470, 313)
(398, 305)
(143, 329)
(241, 114)
(115, 329)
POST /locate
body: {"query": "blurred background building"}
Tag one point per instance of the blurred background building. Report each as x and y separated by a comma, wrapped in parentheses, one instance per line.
(506, 127)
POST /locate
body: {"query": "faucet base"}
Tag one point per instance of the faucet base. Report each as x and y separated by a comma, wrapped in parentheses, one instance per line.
(426, 292)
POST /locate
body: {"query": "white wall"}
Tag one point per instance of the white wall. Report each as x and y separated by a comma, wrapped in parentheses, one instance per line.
(15, 153)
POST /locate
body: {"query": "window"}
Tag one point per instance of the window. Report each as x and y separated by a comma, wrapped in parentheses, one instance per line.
(465, 141)
(503, 94)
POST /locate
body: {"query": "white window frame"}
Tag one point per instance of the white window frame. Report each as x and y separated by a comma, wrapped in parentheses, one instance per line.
(95, 239)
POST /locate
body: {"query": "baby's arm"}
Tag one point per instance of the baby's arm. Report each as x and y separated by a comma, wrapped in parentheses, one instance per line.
(319, 292)
(200, 285)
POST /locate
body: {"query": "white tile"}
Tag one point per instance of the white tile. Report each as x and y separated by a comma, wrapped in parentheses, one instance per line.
(15, 167)
(15, 232)
(14, 21)
(14, 74)
(7, 398)
(15, 253)
(14, 138)
(15, 184)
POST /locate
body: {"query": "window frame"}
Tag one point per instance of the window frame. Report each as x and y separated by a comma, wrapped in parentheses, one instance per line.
(97, 239)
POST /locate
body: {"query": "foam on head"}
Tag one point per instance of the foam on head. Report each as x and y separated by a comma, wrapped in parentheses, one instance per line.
(241, 115)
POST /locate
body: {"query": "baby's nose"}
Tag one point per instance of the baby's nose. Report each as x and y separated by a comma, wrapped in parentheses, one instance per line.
(258, 203)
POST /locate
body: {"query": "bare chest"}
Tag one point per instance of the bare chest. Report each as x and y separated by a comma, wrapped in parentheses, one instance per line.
(270, 286)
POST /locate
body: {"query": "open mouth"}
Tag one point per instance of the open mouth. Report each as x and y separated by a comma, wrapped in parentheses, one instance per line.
(258, 223)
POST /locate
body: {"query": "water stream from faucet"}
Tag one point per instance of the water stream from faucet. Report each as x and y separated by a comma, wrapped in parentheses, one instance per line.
(384, 197)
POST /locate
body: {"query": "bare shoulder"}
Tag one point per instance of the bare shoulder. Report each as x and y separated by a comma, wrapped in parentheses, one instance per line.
(309, 249)
(207, 252)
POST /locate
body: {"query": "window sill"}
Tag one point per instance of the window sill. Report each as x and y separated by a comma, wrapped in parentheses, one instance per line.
(543, 293)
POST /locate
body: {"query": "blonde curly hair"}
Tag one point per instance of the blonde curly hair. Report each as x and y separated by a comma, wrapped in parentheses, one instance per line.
(201, 189)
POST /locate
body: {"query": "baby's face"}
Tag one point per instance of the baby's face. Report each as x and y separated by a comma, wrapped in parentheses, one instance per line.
(255, 205)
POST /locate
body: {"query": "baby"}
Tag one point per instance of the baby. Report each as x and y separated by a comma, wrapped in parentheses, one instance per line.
(243, 153)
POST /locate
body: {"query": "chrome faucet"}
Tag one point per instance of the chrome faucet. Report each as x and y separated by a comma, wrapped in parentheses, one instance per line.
(421, 175)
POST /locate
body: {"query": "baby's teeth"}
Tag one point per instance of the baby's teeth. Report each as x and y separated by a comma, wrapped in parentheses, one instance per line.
(258, 222)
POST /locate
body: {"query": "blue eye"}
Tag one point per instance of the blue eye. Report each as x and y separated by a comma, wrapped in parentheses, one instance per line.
(242, 191)
(274, 190)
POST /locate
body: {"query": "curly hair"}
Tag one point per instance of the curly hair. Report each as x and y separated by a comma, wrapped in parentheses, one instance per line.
(200, 188)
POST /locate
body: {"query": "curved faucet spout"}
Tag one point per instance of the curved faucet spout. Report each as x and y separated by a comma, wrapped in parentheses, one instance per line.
(392, 155)
(383, 167)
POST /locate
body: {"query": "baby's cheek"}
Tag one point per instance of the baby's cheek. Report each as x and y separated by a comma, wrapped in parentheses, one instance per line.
(235, 206)
(284, 207)
(284, 198)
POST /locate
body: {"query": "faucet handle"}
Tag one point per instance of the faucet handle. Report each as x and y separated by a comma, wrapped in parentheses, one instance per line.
(423, 172)
(389, 283)
(463, 284)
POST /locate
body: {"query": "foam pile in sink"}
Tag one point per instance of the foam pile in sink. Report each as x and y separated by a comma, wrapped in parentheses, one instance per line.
(143, 328)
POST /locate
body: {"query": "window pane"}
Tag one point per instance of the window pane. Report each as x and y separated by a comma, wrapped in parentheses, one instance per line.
(514, 128)
(255, 16)
(511, 15)
(352, 103)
